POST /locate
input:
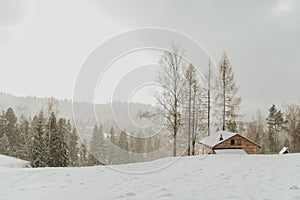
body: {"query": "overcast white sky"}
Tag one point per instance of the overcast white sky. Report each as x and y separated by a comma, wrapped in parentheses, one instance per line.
(44, 43)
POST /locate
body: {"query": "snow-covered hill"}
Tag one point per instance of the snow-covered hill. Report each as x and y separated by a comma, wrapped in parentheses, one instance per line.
(7, 161)
(212, 177)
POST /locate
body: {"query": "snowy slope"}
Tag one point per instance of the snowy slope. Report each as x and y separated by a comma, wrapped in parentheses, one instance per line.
(212, 177)
(7, 161)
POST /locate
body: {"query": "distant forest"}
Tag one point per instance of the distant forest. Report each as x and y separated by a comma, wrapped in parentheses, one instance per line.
(48, 141)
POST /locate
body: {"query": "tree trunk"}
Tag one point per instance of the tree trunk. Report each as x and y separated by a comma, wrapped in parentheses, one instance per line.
(190, 98)
(175, 127)
(175, 143)
(208, 101)
(193, 123)
(224, 97)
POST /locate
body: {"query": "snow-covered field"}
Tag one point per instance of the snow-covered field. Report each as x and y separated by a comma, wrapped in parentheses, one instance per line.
(213, 177)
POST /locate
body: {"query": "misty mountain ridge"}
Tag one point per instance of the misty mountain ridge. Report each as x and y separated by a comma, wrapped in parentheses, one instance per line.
(122, 114)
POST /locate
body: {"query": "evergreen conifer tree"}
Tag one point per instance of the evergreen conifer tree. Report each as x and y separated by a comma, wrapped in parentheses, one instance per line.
(73, 148)
(275, 123)
(123, 141)
(4, 143)
(97, 146)
(38, 152)
(11, 131)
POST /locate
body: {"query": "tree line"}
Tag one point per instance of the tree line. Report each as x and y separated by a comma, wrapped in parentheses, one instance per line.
(191, 107)
(48, 141)
(112, 148)
(278, 129)
(44, 140)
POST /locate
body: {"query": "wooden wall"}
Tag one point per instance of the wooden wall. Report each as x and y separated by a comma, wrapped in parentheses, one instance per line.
(248, 146)
(207, 150)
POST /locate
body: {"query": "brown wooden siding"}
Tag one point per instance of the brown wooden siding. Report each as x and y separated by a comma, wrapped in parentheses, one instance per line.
(207, 150)
(248, 146)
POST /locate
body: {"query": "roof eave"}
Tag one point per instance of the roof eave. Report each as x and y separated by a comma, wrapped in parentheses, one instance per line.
(206, 145)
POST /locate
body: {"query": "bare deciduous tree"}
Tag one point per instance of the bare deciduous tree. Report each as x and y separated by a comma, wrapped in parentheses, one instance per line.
(293, 125)
(170, 98)
(206, 97)
(193, 105)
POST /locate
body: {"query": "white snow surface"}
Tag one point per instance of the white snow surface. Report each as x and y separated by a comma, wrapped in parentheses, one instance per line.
(230, 151)
(196, 177)
(7, 161)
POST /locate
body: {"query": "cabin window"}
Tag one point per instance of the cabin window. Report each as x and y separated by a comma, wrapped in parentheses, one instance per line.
(239, 142)
(232, 142)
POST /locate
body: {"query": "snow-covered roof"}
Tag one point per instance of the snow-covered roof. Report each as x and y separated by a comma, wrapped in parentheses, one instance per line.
(231, 151)
(214, 139)
(283, 150)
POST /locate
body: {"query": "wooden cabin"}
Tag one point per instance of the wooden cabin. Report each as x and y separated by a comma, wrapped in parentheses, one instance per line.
(224, 142)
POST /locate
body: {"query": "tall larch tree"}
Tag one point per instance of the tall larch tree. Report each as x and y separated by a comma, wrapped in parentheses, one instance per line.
(227, 99)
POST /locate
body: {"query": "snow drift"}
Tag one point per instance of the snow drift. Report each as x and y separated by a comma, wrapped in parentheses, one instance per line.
(7, 161)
